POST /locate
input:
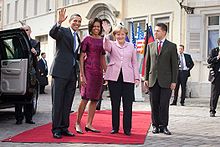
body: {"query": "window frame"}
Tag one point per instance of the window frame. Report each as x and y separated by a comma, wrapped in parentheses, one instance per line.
(135, 20)
(211, 28)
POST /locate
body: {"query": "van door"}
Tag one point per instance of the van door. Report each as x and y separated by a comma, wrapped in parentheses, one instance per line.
(14, 76)
(14, 62)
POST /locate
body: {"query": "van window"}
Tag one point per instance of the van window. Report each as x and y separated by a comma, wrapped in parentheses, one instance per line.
(11, 48)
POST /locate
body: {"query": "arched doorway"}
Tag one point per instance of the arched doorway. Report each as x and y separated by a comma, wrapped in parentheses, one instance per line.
(103, 11)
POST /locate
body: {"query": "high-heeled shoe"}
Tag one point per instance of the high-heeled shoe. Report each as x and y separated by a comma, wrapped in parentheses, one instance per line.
(92, 130)
(78, 129)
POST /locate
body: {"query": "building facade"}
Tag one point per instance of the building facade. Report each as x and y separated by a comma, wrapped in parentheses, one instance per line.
(193, 23)
(201, 29)
(1, 15)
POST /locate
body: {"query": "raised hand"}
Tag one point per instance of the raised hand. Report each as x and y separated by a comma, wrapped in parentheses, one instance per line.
(106, 27)
(62, 17)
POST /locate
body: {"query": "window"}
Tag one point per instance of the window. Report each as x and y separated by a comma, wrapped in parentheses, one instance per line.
(16, 11)
(141, 23)
(0, 14)
(213, 20)
(35, 6)
(12, 48)
(8, 13)
(67, 2)
(43, 39)
(213, 31)
(25, 9)
(48, 6)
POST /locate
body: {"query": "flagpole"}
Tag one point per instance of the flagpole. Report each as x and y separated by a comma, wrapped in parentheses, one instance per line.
(146, 39)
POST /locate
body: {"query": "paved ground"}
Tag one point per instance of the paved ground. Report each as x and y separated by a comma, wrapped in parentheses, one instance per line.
(190, 124)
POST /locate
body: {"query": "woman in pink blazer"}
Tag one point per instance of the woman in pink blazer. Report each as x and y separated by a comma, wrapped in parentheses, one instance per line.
(122, 74)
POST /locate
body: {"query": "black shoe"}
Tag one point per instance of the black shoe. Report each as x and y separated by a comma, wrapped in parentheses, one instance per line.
(67, 133)
(43, 92)
(173, 104)
(128, 133)
(114, 131)
(92, 130)
(155, 130)
(212, 114)
(182, 104)
(165, 131)
(29, 122)
(18, 122)
(57, 135)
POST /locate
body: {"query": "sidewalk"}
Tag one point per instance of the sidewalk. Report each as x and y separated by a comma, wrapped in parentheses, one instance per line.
(190, 124)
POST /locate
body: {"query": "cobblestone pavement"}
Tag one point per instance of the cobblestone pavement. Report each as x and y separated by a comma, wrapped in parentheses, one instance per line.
(190, 124)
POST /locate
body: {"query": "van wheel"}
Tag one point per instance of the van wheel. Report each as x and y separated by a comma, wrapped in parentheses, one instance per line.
(35, 99)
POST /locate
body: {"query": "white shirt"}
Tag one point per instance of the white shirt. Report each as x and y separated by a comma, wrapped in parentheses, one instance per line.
(184, 62)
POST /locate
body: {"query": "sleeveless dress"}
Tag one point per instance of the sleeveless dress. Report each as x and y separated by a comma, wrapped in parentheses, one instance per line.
(93, 47)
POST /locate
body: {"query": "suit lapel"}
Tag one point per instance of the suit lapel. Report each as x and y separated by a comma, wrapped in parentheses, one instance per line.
(155, 48)
(165, 44)
(71, 38)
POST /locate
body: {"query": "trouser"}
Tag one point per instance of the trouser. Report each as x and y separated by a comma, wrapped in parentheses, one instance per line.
(159, 100)
(215, 92)
(63, 91)
(28, 112)
(119, 89)
(42, 88)
(181, 81)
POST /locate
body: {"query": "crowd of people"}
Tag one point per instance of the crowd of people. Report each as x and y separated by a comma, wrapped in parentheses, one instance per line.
(105, 57)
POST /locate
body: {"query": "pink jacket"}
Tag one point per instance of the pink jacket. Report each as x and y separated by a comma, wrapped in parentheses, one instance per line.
(124, 58)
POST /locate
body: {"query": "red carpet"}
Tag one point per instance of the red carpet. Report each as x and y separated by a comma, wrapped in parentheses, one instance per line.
(102, 121)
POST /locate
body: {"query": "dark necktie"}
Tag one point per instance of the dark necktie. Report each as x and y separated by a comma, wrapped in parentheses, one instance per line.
(74, 47)
(74, 41)
(159, 47)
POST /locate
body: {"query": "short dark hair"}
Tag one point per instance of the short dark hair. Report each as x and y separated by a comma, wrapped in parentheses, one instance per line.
(73, 15)
(91, 24)
(42, 53)
(181, 46)
(162, 26)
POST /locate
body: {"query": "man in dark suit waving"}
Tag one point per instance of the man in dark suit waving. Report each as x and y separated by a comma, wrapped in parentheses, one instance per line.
(63, 72)
(185, 65)
(161, 75)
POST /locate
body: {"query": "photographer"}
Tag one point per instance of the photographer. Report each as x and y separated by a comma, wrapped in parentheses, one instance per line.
(214, 77)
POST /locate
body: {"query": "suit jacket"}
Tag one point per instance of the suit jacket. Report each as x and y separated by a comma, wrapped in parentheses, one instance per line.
(43, 71)
(214, 62)
(64, 56)
(162, 67)
(36, 45)
(121, 58)
(189, 62)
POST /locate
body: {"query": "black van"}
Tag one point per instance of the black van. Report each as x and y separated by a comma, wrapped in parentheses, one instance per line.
(18, 82)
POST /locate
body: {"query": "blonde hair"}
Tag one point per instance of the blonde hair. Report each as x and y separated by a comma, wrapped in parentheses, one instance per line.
(119, 28)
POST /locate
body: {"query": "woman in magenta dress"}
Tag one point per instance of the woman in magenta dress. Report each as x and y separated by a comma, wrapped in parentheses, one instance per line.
(92, 64)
